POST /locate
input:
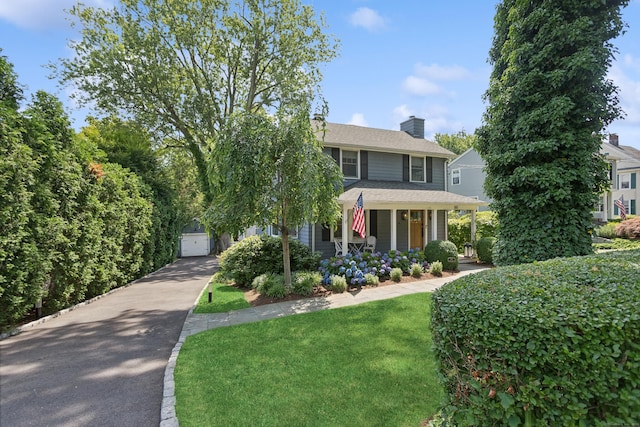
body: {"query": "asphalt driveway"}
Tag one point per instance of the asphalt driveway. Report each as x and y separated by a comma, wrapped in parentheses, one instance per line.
(103, 363)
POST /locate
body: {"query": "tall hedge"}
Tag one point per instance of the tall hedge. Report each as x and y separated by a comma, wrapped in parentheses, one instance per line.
(70, 227)
(459, 228)
(553, 343)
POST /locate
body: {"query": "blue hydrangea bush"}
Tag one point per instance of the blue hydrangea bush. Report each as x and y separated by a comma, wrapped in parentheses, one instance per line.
(354, 267)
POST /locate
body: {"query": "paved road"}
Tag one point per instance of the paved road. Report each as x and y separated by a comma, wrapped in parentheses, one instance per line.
(101, 364)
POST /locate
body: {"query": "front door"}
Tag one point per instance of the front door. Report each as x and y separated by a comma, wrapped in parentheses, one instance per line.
(416, 230)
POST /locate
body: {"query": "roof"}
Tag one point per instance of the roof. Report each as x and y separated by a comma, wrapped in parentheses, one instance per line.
(395, 141)
(403, 195)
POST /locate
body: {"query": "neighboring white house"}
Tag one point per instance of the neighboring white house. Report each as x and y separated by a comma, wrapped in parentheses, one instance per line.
(625, 184)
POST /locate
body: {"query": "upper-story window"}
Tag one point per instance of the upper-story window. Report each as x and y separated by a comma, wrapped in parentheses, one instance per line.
(455, 176)
(624, 181)
(421, 169)
(417, 169)
(350, 164)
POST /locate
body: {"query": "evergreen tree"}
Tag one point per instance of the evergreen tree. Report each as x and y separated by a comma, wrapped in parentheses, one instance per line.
(549, 101)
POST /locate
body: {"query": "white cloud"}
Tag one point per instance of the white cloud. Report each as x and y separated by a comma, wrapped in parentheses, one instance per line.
(423, 80)
(41, 14)
(358, 120)
(626, 75)
(440, 73)
(420, 86)
(367, 18)
(402, 113)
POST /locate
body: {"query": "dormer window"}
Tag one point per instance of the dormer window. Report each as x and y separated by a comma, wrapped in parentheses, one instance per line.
(349, 163)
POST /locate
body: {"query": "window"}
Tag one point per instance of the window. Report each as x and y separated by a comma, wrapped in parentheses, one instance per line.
(624, 181)
(417, 169)
(272, 230)
(350, 164)
(455, 177)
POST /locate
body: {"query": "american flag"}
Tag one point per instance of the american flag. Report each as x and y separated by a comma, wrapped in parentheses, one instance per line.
(620, 205)
(358, 217)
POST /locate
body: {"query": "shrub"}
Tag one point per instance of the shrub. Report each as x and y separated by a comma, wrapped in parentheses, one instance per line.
(220, 277)
(355, 267)
(396, 274)
(443, 251)
(484, 249)
(269, 284)
(416, 270)
(371, 279)
(257, 255)
(629, 228)
(459, 228)
(338, 284)
(304, 281)
(607, 231)
(436, 268)
(547, 343)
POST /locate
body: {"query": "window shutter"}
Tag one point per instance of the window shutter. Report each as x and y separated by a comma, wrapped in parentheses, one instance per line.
(326, 233)
(429, 171)
(405, 167)
(633, 180)
(364, 164)
(632, 207)
(615, 209)
(335, 153)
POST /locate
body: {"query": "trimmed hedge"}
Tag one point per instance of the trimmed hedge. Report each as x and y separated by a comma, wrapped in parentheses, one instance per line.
(548, 343)
(262, 254)
(443, 251)
(484, 249)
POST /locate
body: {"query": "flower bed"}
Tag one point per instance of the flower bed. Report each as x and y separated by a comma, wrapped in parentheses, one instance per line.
(354, 267)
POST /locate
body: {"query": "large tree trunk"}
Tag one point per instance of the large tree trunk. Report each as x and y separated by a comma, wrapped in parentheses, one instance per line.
(223, 242)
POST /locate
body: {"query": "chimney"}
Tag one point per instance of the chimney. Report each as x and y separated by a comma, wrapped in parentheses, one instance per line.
(414, 127)
(613, 139)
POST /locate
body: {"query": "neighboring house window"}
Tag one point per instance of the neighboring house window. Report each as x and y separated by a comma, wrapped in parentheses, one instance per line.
(629, 207)
(624, 181)
(350, 164)
(455, 176)
(417, 169)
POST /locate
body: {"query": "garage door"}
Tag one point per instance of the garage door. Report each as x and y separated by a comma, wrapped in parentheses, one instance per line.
(194, 244)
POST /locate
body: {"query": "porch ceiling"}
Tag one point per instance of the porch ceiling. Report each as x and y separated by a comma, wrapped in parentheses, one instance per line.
(404, 195)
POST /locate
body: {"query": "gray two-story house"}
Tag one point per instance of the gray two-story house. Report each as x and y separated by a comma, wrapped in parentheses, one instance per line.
(403, 181)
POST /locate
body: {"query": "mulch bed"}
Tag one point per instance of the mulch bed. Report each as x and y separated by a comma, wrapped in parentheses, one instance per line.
(255, 299)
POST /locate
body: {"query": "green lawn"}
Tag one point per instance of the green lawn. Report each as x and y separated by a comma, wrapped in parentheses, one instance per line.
(224, 298)
(365, 365)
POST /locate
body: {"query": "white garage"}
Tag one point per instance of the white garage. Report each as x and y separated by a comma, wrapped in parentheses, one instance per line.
(194, 244)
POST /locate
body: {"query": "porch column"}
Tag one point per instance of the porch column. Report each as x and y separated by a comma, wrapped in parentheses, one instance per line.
(345, 230)
(313, 237)
(473, 227)
(434, 224)
(394, 229)
(605, 206)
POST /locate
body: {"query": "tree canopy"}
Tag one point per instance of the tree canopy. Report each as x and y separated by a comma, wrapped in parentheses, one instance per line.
(549, 101)
(182, 67)
(457, 143)
(271, 170)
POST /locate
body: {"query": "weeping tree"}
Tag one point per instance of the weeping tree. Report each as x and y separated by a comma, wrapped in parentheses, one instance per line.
(182, 67)
(271, 170)
(549, 101)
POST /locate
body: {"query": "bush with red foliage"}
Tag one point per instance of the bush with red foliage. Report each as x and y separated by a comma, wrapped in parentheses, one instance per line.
(629, 229)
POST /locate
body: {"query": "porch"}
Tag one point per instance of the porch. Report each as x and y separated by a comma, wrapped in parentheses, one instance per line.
(400, 215)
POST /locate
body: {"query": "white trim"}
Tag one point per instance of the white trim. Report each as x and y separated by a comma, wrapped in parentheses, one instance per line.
(424, 168)
(357, 164)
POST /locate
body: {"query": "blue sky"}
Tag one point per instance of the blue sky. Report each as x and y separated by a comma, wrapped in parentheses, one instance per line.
(425, 58)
